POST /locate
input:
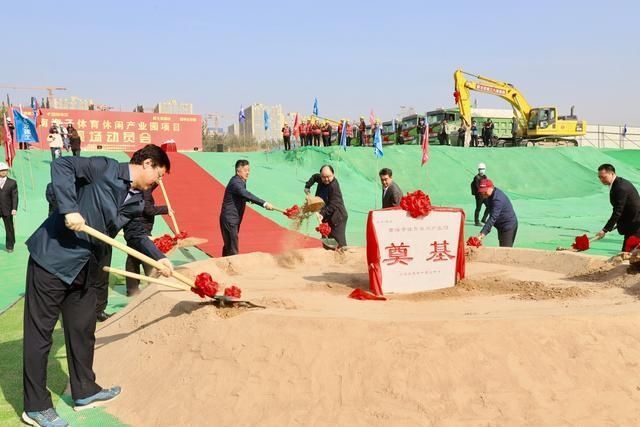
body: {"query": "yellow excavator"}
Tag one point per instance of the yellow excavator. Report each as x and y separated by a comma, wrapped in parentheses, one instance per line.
(535, 125)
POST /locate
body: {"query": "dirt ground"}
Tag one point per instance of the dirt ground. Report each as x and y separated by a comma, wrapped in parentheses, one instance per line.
(528, 338)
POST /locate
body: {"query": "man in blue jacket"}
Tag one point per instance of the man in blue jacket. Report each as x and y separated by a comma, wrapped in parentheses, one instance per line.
(501, 214)
(62, 269)
(235, 198)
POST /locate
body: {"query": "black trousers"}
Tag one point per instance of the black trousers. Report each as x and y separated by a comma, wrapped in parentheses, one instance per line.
(10, 238)
(101, 280)
(287, 142)
(348, 141)
(479, 202)
(229, 237)
(309, 139)
(506, 238)
(338, 232)
(474, 141)
(326, 140)
(361, 137)
(45, 298)
(75, 152)
(133, 265)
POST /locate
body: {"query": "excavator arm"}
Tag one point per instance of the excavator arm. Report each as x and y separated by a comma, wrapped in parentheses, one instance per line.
(521, 107)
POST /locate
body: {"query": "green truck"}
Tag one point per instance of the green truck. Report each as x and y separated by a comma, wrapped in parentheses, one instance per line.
(501, 118)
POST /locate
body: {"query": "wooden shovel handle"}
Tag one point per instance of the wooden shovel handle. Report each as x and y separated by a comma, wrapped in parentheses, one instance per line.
(171, 214)
(138, 255)
(144, 278)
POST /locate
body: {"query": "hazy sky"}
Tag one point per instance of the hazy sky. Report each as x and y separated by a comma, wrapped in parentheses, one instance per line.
(352, 56)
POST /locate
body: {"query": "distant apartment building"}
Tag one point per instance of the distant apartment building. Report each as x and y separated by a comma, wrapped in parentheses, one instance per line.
(254, 123)
(71, 103)
(173, 107)
(232, 130)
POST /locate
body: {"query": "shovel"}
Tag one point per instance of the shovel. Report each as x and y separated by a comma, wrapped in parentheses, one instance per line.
(182, 243)
(330, 243)
(593, 239)
(219, 300)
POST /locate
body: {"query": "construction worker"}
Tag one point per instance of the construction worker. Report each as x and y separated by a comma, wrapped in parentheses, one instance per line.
(309, 133)
(487, 134)
(326, 134)
(421, 128)
(286, 136)
(349, 130)
(443, 135)
(317, 132)
(474, 134)
(475, 184)
(362, 129)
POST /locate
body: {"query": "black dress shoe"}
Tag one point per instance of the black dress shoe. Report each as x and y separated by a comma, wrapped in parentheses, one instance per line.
(102, 316)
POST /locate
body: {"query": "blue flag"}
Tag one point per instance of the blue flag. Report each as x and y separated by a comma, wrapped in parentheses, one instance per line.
(343, 137)
(25, 128)
(315, 106)
(377, 142)
(266, 120)
(241, 117)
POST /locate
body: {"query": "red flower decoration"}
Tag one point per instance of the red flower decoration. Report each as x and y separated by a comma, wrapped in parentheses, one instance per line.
(233, 292)
(324, 229)
(205, 286)
(293, 212)
(581, 243)
(632, 243)
(474, 241)
(164, 243)
(181, 236)
(416, 203)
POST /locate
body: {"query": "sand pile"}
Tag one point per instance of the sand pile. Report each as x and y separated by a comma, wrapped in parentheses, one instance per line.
(524, 340)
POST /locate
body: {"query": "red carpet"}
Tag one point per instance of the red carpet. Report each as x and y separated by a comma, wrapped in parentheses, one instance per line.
(196, 198)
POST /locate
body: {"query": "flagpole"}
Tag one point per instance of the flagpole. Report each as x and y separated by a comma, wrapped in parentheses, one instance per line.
(30, 168)
(24, 186)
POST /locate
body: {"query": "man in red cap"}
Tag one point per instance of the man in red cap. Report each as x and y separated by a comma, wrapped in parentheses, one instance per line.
(501, 214)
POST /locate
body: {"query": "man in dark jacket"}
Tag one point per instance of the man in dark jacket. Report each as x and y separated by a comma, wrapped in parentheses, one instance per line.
(147, 220)
(625, 202)
(235, 199)
(74, 140)
(480, 200)
(501, 214)
(8, 205)
(61, 270)
(391, 193)
(334, 211)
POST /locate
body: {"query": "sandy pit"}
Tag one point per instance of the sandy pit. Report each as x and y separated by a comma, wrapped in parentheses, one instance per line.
(528, 338)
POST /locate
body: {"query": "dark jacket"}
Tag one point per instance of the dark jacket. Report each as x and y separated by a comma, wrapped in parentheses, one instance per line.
(392, 196)
(501, 213)
(334, 210)
(78, 183)
(51, 198)
(74, 140)
(151, 210)
(9, 197)
(235, 198)
(476, 183)
(626, 208)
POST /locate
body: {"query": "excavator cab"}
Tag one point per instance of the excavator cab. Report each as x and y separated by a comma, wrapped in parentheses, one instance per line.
(542, 118)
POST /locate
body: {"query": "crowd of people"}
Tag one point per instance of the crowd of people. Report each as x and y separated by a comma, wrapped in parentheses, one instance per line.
(63, 137)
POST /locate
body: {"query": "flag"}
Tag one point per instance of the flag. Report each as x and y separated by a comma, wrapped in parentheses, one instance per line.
(343, 136)
(425, 145)
(36, 110)
(377, 142)
(624, 131)
(266, 120)
(9, 148)
(25, 128)
(296, 127)
(241, 117)
(315, 106)
(372, 118)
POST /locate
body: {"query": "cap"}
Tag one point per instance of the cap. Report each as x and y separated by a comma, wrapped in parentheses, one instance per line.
(485, 184)
(4, 166)
(482, 166)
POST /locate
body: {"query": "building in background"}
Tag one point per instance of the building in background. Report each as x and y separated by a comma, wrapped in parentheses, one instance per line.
(253, 126)
(173, 107)
(232, 130)
(71, 103)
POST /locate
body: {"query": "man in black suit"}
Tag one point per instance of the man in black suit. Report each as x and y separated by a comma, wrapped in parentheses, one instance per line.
(625, 201)
(147, 219)
(334, 211)
(8, 205)
(235, 199)
(391, 193)
(63, 265)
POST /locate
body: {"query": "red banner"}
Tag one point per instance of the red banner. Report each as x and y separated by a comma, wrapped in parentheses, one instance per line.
(110, 130)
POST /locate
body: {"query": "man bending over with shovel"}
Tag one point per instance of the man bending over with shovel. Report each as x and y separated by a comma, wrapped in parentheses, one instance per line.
(334, 211)
(63, 266)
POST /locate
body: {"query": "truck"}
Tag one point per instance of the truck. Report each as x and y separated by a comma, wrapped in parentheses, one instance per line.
(501, 118)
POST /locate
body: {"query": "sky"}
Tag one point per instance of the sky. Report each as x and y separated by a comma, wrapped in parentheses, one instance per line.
(353, 57)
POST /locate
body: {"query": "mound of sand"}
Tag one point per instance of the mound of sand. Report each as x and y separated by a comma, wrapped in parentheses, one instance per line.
(529, 338)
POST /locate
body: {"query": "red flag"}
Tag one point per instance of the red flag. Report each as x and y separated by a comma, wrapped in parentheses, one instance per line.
(9, 148)
(425, 146)
(296, 127)
(372, 118)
